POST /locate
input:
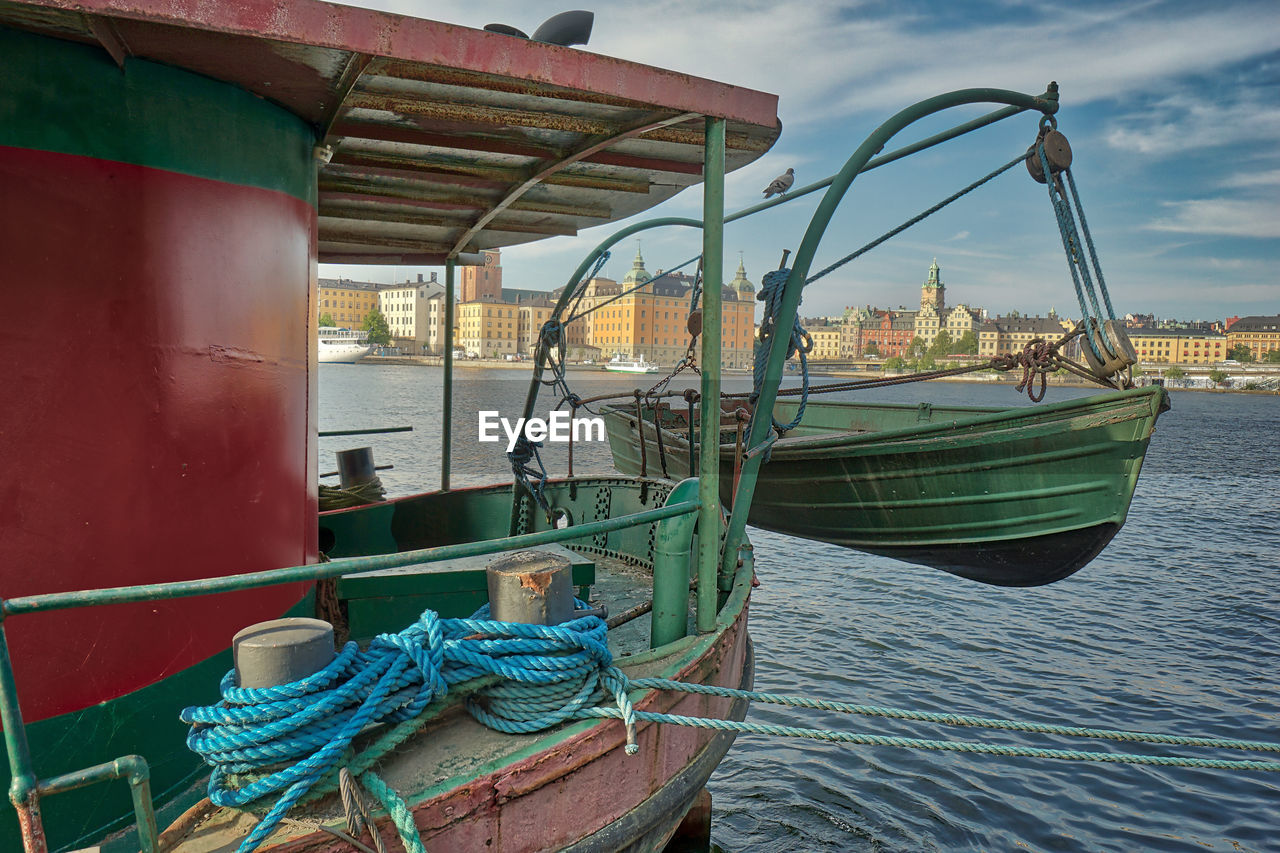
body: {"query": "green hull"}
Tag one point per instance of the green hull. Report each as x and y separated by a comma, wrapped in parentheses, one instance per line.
(1017, 497)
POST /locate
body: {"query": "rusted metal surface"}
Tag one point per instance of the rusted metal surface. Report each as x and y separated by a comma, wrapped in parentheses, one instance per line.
(417, 110)
(33, 840)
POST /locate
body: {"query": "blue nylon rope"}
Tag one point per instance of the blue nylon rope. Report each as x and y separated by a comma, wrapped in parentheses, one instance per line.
(771, 288)
(549, 674)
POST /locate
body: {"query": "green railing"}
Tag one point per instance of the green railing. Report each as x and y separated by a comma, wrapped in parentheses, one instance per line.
(27, 788)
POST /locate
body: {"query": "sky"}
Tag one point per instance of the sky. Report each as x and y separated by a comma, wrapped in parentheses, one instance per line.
(1172, 110)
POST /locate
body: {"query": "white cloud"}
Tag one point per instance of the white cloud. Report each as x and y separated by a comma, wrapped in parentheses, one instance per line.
(1185, 122)
(961, 235)
(1223, 217)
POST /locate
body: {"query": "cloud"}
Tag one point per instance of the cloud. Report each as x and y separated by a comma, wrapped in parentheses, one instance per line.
(1251, 180)
(1186, 122)
(960, 235)
(1223, 217)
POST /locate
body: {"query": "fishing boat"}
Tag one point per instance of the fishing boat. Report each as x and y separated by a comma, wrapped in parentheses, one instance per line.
(205, 158)
(1012, 497)
(618, 364)
(341, 346)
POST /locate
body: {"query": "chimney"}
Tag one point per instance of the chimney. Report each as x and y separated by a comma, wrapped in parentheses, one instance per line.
(419, 278)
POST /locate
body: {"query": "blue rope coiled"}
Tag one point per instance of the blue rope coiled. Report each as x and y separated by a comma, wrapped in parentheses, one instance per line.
(550, 674)
(771, 289)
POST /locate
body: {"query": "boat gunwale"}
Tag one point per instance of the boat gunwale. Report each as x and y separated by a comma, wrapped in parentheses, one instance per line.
(1037, 415)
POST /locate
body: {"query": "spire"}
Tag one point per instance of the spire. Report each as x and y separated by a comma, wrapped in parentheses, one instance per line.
(933, 274)
(637, 274)
(740, 281)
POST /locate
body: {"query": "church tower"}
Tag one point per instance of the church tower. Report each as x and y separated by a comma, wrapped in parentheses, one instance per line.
(741, 284)
(934, 292)
(637, 274)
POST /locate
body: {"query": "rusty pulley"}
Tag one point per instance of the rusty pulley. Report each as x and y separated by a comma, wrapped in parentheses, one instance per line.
(1056, 150)
(695, 322)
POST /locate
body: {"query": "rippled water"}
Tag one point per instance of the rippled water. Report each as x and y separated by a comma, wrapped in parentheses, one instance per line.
(1175, 627)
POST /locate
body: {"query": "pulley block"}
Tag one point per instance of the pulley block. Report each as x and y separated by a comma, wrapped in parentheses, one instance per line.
(1056, 150)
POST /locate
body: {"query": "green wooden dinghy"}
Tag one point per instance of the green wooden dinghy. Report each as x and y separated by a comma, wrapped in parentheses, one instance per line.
(1012, 497)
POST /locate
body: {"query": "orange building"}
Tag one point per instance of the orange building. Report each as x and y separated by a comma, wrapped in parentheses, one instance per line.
(1260, 334)
(652, 321)
(1179, 346)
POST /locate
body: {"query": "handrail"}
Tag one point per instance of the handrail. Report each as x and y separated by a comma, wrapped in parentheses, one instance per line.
(26, 787)
(341, 566)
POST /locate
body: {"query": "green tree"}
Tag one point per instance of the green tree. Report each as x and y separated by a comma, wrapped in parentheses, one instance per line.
(1217, 377)
(917, 348)
(927, 361)
(1272, 357)
(1175, 373)
(1240, 353)
(894, 362)
(326, 319)
(967, 344)
(872, 349)
(941, 344)
(376, 325)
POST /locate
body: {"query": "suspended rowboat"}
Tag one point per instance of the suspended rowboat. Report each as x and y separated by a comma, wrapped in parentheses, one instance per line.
(1017, 497)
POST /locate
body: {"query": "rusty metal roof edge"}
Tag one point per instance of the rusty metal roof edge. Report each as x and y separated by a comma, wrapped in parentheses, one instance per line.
(347, 28)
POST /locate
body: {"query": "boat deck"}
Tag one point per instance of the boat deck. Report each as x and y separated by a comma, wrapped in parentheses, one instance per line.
(463, 767)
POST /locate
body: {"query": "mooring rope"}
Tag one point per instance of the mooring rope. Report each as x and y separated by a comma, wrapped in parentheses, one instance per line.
(547, 675)
(294, 737)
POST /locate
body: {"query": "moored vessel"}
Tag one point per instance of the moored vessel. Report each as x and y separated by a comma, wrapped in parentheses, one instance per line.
(341, 346)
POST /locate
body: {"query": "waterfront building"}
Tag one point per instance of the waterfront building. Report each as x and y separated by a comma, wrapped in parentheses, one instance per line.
(346, 302)
(652, 320)
(483, 282)
(826, 339)
(531, 313)
(932, 316)
(1260, 334)
(415, 313)
(488, 328)
(884, 333)
(1178, 346)
(1014, 332)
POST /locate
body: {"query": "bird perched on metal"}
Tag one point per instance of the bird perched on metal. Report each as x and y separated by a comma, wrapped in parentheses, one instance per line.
(780, 184)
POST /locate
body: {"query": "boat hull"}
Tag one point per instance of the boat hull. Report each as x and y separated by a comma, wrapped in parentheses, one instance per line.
(342, 353)
(1013, 498)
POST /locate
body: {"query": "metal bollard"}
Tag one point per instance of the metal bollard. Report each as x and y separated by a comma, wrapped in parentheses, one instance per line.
(533, 587)
(281, 651)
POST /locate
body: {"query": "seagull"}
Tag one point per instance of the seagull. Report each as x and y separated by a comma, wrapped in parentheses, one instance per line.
(780, 184)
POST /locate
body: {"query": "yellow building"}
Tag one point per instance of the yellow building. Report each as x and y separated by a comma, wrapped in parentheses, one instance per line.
(1013, 333)
(488, 329)
(1260, 334)
(826, 342)
(1178, 346)
(652, 321)
(531, 315)
(345, 301)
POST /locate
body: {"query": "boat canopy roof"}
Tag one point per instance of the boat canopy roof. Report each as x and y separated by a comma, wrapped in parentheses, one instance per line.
(446, 140)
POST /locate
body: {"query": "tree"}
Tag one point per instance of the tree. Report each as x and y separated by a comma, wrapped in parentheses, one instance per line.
(894, 362)
(941, 344)
(376, 325)
(1217, 377)
(967, 344)
(1175, 373)
(917, 348)
(326, 319)
(1240, 353)
(927, 361)
(872, 349)
(1272, 356)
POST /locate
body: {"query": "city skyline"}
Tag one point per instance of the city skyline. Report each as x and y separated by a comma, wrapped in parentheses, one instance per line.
(1170, 109)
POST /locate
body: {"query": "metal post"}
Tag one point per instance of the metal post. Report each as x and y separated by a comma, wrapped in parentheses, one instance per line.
(446, 393)
(709, 437)
(23, 785)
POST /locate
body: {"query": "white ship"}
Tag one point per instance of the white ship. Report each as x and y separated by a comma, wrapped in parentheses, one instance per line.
(343, 346)
(621, 365)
